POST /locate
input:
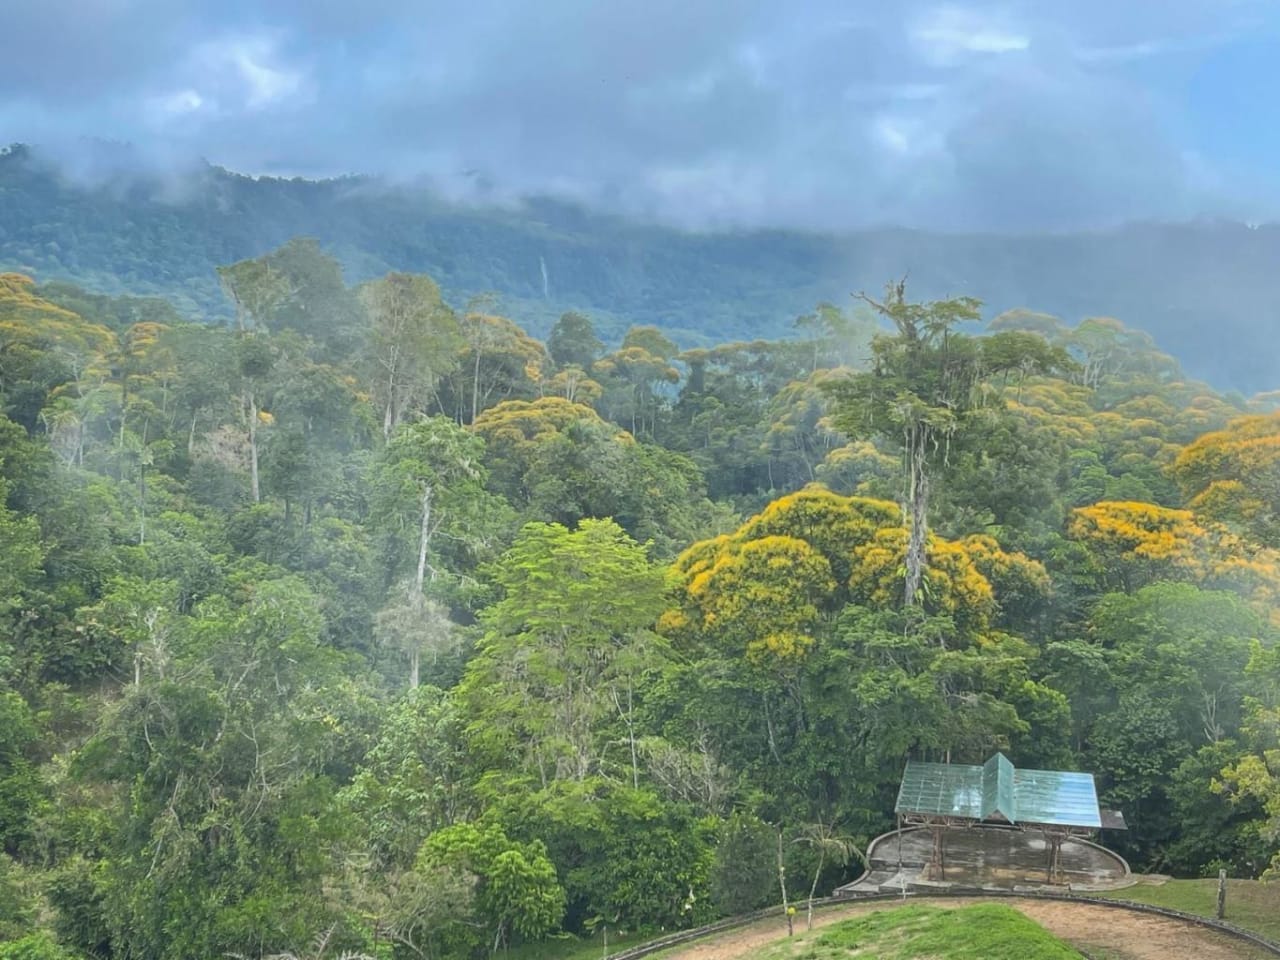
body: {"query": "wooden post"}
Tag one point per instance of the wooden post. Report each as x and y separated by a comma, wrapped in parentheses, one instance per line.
(935, 853)
(782, 882)
(901, 880)
(1222, 894)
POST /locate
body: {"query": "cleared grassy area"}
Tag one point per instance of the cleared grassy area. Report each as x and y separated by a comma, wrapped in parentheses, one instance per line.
(986, 931)
(1250, 903)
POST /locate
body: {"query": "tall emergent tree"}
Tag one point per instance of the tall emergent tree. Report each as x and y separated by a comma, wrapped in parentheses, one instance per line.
(573, 341)
(925, 382)
(428, 486)
(414, 340)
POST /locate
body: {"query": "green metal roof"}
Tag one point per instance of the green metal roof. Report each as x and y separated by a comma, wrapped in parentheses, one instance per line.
(1056, 797)
(997, 790)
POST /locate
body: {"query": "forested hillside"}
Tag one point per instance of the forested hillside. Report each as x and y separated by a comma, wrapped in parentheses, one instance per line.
(367, 621)
(1207, 291)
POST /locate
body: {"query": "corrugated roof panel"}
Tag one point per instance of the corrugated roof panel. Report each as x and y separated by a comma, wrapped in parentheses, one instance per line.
(1056, 797)
(942, 789)
(997, 788)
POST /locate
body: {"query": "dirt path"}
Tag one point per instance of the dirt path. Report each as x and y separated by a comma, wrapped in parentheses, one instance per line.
(1103, 931)
(1110, 932)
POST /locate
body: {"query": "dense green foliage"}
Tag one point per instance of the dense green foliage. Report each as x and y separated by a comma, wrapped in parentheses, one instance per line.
(988, 931)
(1197, 286)
(361, 623)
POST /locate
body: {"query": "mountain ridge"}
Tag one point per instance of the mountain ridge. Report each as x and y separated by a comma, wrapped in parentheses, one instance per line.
(1208, 289)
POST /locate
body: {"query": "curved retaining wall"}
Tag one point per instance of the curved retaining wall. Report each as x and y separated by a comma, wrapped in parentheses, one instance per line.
(732, 923)
(1125, 880)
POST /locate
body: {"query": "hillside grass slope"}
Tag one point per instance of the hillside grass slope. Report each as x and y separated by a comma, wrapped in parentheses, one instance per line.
(1251, 904)
(982, 932)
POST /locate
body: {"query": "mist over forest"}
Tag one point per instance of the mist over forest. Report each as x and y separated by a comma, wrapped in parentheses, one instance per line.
(105, 218)
(530, 480)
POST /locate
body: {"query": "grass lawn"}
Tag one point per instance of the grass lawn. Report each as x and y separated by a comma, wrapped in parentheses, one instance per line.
(1250, 903)
(987, 931)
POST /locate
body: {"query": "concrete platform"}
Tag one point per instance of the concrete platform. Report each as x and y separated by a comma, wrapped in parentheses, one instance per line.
(985, 857)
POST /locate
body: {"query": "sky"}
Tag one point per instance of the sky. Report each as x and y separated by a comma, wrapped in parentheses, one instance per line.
(1049, 115)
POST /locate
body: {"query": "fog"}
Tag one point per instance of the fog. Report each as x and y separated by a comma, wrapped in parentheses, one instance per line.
(974, 116)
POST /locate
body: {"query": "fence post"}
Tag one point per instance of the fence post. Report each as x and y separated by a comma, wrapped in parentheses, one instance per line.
(1222, 894)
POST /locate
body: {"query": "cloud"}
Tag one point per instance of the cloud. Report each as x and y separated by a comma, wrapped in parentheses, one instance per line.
(945, 34)
(878, 92)
(168, 106)
(253, 59)
(966, 115)
(1137, 50)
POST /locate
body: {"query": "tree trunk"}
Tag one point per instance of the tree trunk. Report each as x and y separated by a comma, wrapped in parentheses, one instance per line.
(124, 416)
(628, 718)
(142, 504)
(142, 486)
(782, 882)
(817, 874)
(768, 725)
(424, 541)
(917, 519)
(475, 386)
(253, 450)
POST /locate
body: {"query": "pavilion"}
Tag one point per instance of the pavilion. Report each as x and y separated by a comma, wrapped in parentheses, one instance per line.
(1058, 804)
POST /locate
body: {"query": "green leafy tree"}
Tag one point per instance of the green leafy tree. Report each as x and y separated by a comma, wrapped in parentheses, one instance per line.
(499, 361)
(35, 946)
(1132, 750)
(139, 614)
(227, 766)
(517, 891)
(20, 546)
(924, 384)
(46, 353)
(21, 788)
(635, 376)
(414, 780)
(831, 846)
(428, 487)
(744, 876)
(296, 287)
(563, 649)
(1253, 778)
(1186, 648)
(558, 460)
(414, 342)
(624, 856)
(1215, 831)
(415, 625)
(573, 342)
